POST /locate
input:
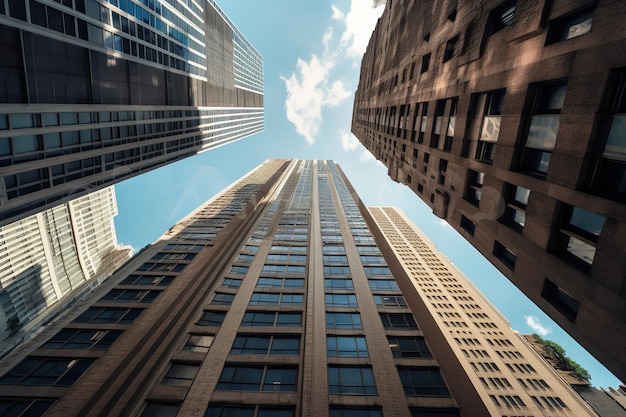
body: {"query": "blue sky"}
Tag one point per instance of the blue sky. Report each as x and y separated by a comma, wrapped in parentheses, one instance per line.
(312, 53)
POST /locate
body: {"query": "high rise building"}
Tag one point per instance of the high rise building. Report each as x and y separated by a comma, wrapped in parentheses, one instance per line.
(506, 118)
(283, 296)
(93, 92)
(51, 258)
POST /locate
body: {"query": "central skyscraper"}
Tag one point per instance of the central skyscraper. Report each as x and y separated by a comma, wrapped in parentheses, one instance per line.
(285, 296)
(93, 92)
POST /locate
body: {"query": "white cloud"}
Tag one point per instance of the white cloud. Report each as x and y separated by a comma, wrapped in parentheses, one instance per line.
(349, 142)
(311, 87)
(366, 156)
(360, 22)
(442, 223)
(534, 323)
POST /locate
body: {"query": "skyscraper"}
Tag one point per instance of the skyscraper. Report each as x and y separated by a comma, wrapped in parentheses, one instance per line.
(94, 92)
(50, 258)
(506, 119)
(285, 296)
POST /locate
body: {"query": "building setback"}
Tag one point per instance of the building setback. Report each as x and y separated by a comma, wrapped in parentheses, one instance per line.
(94, 92)
(284, 296)
(507, 118)
(51, 258)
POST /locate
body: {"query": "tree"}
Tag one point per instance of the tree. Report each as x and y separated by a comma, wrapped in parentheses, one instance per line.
(565, 362)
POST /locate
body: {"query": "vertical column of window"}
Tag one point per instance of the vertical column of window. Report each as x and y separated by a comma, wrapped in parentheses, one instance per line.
(475, 182)
(515, 212)
(423, 122)
(490, 126)
(438, 126)
(578, 236)
(447, 144)
(543, 127)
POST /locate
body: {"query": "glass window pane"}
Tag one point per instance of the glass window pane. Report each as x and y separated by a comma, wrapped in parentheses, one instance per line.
(587, 221)
(542, 133)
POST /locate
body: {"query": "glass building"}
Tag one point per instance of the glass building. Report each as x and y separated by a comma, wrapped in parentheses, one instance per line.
(93, 92)
(285, 296)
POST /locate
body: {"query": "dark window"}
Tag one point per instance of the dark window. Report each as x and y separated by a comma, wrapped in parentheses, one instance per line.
(157, 280)
(161, 267)
(398, 321)
(501, 17)
(382, 285)
(425, 63)
(422, 382)
(420, 188)
(515, 212)
(222, 299)
(130, 296)
(24, 407)
(286, 299)
(389, 301)
(475, 182)
(38, 13)
(507, 256)
(154, 409)
(434, 412)
(216, 410)
(109, 315)
(50, 372)
(265, 282)
(17, 9)
(443, 168)
(344, 380)
(338, 411)
(258, 378)
(199, 343)
(242, 270)
(346, 346)
(409, 347)
(570, 25)
(264, 345)
(468, 225)
(543, 127)
(272, 319)
(451, 47)
(338, 284)
(212, 318)
(561, 300)
(82, 339)
(180, 374)
(490, 124)
(231, 283)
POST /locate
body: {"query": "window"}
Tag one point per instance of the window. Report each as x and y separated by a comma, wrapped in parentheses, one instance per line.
(216, 410)
(382, 285)
(264, 345)
(154, 409)
(109, 315)
(543, 127)
(398, 321)
(82, 339)
(265, 282)
(130, 296)
(490, 125)
(450, 50)
(231, 283)
(350, 321)
(570, 26)
(338, 284)
(338, 411)
(561, 300)
(389, 300)
(501, 17)
(579, 237)
(468, 225)
(212, 318)
(425, 63)
(156, 280)
(161, 267)
(48, 372)
(346, 347)
(443, 168)
(374, 271)
(475, 182)
(241, 270)
(336, 270)
(422, 382)
(220, 298)
(258, 378)
(340, 300)
(507, 256)
(199, 343)
(24, 407)
(515, 212)
(175, 256)
(409, 347)
(344, 380)
(609, 172)
(180, 374)
(272, 319)
(285, 299)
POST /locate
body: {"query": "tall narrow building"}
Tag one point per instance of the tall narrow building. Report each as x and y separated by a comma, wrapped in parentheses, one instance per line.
(284, 296)
(507, 118)
(94, 92)
(51, 258)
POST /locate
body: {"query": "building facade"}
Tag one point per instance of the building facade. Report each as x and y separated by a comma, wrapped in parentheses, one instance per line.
(51, 258)
(506, 118)
(284, 296)
(96, 91)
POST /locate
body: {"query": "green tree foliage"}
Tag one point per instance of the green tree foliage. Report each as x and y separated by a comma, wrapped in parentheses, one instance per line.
(566, 362)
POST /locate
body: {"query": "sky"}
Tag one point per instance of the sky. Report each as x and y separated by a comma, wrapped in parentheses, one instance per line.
(312, 54)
